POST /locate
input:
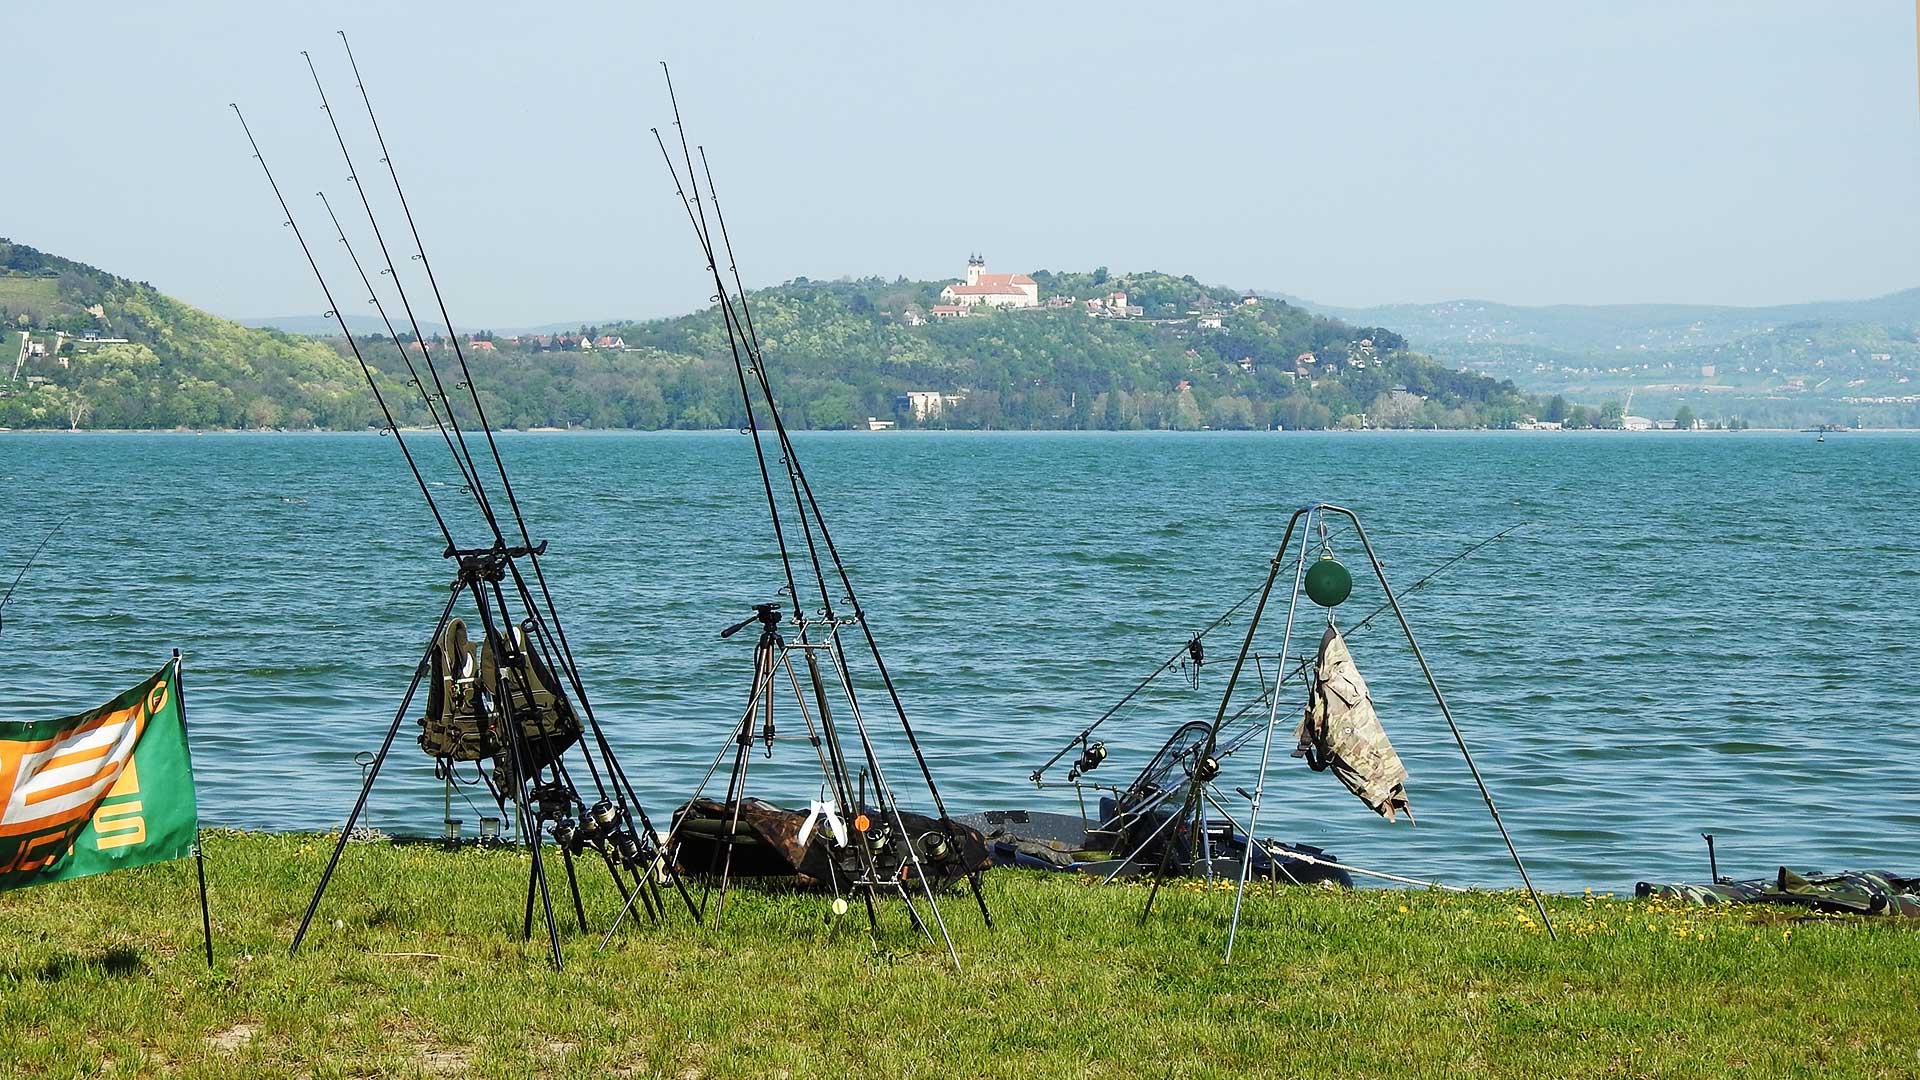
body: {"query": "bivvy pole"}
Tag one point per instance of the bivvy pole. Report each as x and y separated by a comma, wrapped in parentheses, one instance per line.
(1266, 749)
(199, 851)
(1447, 713)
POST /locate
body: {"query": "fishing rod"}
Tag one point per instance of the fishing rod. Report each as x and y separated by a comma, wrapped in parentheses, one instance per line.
(811, 503)
(804, 502)
(846, 582)
(333, 312)
(551, 628)
(450, 430)
(484, 569)
(28, 565)
(744, 343)
(1185, 651)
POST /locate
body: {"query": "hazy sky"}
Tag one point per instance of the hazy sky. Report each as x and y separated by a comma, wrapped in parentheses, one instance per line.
(1351, 153)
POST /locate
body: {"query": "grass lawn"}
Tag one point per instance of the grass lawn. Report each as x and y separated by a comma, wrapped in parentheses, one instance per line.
(39, 296)
(416, 968)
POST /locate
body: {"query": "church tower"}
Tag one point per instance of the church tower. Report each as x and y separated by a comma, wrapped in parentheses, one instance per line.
(976, 265)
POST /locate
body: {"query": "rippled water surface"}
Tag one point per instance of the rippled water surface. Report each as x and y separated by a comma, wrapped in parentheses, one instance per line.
(1695, 633)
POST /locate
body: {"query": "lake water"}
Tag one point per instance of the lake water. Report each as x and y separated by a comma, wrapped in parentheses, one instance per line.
(1695, 633)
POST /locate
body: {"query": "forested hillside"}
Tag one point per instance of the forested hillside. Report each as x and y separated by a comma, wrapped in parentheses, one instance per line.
(154, 362)
(1174, 354)
(849, 350)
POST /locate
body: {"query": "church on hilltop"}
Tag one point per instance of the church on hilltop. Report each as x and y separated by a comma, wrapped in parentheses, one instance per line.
(993, 290)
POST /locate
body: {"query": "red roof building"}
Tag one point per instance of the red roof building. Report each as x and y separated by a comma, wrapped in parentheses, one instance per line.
(993, 290)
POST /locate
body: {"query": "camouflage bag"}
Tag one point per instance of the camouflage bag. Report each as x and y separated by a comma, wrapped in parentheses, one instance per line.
(1341, 731)
(1852, 892)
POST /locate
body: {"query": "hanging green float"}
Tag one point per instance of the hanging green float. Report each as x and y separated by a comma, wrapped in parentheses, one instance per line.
(1328, 583)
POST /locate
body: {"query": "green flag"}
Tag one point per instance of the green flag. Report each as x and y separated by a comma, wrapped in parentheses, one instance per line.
(104, 790)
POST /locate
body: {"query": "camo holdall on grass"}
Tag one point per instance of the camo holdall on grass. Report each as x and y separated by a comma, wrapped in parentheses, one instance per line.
(1340, 730)
(1856, 892)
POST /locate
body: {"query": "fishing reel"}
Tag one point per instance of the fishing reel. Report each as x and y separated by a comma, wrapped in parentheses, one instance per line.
(633, 854)
(598, 827)
(551, 801)
(934, 847)
(1206, 769)
(1089, 760)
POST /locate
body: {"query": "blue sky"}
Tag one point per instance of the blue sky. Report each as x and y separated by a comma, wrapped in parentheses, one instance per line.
(1354, 154)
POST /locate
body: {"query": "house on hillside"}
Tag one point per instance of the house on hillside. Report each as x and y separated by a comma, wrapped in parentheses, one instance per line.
(481, 345)
(1114, 306)
(610, 341)
(993, 290)
(949, 311)
(925, 404)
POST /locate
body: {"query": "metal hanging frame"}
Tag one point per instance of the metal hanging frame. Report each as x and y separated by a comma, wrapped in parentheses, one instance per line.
(1302, 522)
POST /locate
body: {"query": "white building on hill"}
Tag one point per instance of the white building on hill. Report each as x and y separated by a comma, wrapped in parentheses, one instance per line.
(993, 290)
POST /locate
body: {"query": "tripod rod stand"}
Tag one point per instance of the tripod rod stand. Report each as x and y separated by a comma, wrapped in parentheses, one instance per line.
(541, 792)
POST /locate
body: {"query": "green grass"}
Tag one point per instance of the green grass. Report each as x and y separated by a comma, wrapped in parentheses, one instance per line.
(37, 296)
(104, 976)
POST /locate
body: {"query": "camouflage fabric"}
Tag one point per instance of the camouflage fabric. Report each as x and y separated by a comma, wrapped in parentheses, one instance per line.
(1341, 731)
(467, 693)
(455, 727)
(766, 844)
(1857, 892)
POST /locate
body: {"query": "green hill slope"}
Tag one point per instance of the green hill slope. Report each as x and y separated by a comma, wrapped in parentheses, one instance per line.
(162, 363)
(108, 352)
(847, 351)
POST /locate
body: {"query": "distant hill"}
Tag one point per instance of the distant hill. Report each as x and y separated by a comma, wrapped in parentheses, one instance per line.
(1842, 361)
(103, 351)
(1603, 327)
(83, 347)
(1183, 355)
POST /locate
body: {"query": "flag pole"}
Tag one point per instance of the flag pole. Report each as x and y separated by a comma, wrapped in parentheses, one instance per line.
(199, 849)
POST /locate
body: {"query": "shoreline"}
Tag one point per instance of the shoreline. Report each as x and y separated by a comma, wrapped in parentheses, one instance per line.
(258, 432)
